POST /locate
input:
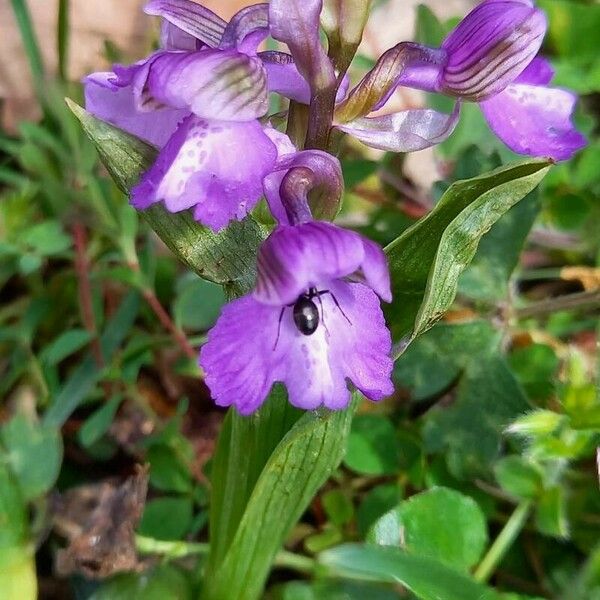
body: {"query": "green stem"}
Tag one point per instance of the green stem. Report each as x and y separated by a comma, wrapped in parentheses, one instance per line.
(175, 549)
(179, 549)
(503, 542)
(296, 562)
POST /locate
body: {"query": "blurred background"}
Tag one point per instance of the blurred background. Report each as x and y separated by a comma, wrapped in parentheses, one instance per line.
(107, 429)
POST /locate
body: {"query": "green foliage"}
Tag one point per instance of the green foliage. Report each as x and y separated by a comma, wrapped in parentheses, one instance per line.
(457, 540)
(483, 461)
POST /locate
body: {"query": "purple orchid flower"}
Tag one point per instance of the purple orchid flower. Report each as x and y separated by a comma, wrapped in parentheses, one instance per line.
(297, 25)
(490, 58)
(200, 104)
(313, 320)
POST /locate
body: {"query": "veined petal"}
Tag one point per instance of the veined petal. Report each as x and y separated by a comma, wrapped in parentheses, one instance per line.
(247, 29)
(404, 131)
(107, 98)
(296, 23)
(191, 18)
(406, 64)
(538, 72)
(283, 77)
(200, 167)
(535, 120)
(490, 47)
(213, 84)
(254, 345)
(323, 188)
(173, 38)
(295, 258)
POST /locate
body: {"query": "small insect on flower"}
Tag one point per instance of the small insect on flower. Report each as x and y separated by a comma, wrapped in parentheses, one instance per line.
(312, 323)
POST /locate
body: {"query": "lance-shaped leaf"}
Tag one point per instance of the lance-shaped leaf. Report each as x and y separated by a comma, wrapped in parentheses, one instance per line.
(344, 22)
(404, 131)
(247, 28)
(296, 23)
(428, 258)
(227, 257)
(297, 468)
(190, 17)
(426, 578)
(378, 84)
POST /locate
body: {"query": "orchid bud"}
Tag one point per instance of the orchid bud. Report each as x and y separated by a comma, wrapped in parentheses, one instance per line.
(490, 47)
(344, 22)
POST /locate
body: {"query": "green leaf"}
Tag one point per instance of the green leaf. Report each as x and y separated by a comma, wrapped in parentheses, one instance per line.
(518, 477)
(65, 344)
(167, 518)
(377, 502)
(338, 507)
(427, 259)
(227, 257)
(424, 577)
(572, 27)
(198, 303)
(164, 582)
(372, 446)
(33, 453)
(46, 238)
(486, 397)
(167, 471)
(97, 424)
(296, 469)
(487, 277)
(244, 447)
(333, 590)
(86, 375)
(17, 560)
(551, 513)
(440, 523)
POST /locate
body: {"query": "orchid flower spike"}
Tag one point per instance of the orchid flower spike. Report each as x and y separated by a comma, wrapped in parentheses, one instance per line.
(198, 99)
(491, 58)
(313, 320)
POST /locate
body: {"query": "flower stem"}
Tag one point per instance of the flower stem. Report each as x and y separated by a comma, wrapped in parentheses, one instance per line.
(180, 549)
(503, 542)
(582, 300)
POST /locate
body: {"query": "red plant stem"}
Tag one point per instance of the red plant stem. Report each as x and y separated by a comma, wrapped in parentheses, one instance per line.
(167, 322)
(82, 268)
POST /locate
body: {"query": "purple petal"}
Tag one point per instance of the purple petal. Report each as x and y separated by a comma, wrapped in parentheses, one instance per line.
(295, 258)
(534, 120)
(238, 358)
(283, 77)
(538, 72)
(190, 17)
(110, 101)
(405, 131)
(200, 167)
(296, 23)
(254, 345)
(213, 84)
(405, 63)
(491, 46)
(173, 38)
(247, 29)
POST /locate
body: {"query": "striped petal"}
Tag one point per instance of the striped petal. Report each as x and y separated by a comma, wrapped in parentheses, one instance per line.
(490, 47)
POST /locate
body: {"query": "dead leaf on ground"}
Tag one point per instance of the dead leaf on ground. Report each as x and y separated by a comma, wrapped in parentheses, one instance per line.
(98, 521)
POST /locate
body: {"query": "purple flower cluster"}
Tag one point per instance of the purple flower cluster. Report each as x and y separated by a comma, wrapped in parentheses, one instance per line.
(313, 320)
